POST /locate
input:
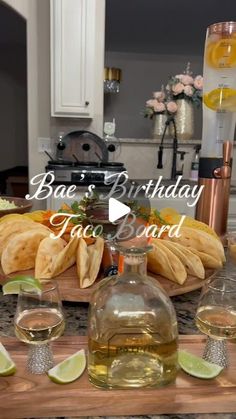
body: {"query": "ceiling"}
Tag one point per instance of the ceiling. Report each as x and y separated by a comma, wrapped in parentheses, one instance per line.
(161, 26)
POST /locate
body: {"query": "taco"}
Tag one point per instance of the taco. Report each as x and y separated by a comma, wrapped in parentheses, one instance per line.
(20, 252)
(164, 262)
(47, 252)
(208, 261)
(190, 260)
(201, 241)
(88, 260)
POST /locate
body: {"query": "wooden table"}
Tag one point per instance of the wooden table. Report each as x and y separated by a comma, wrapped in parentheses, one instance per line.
(25, 396)
(69, 289)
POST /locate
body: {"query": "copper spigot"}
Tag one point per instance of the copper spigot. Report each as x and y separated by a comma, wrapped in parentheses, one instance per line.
(224, 172)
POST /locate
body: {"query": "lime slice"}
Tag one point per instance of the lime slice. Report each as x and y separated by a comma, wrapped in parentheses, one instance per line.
(70, 369)
(28, 282)
(198, 367)
(7, 366)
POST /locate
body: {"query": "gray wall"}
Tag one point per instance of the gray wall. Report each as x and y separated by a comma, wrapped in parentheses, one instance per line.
(141, 75)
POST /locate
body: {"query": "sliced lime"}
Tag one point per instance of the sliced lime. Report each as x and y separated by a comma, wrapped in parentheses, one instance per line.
(70, 369)
(7, 366)
(13, 286)
(196, 366)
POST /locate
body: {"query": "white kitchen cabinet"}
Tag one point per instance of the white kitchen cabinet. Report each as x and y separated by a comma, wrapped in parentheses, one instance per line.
(77, 45)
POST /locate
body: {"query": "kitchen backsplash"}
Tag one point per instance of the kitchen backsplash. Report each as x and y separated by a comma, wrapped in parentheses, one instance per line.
(140, 157)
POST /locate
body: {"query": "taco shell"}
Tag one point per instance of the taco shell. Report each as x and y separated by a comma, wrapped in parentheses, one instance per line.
(47, 252)
(208, 261)
(66, 258)
(201, 241)
(164, 262)
(20, 252)
(88, 260)
(190, 260)
(10, 228)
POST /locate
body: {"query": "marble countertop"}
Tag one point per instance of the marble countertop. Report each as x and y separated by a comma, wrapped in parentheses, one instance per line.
(76, 324)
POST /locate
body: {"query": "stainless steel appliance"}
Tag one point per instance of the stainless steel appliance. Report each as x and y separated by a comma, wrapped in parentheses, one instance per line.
(84, 173)
(81, 159)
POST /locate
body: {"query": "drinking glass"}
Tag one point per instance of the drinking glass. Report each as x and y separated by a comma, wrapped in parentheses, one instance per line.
(216, 317)
(39, 319)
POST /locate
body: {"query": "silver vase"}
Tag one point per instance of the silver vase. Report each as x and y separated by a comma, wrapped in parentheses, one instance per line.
(184, 120)
(159, 121)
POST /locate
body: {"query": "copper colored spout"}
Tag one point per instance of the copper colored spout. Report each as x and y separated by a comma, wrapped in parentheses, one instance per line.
(227, 150)
(224, 172)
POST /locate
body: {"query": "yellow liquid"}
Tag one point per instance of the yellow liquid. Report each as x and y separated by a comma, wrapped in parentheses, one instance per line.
(132, 361)
(232, 252)
(221, 53)
(217, 322)
(39, 326)
(221, 99)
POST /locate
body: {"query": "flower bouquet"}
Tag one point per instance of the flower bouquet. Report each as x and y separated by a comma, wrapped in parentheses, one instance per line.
(158, 109)
(160, 104)
(186, 91)
(185, 86)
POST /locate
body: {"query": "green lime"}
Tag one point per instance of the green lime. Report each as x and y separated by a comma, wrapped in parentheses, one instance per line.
(7, 366)
(196, 366)
(14, 284)
(70, 369)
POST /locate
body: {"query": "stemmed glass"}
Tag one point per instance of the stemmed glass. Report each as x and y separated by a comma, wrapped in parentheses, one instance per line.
(216, 317)
(39, 319)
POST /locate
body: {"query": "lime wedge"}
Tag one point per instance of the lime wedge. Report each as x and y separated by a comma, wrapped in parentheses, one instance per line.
(196, 366)
(7, 366)
(28, 282)
(70, 369)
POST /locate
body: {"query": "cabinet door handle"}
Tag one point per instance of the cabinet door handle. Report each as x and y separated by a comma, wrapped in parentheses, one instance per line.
(86, 103)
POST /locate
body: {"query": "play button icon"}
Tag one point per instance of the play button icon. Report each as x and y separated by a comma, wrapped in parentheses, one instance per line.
(117, 209)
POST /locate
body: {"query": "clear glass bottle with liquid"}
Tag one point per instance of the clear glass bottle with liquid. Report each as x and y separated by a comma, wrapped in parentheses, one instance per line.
(133, 336)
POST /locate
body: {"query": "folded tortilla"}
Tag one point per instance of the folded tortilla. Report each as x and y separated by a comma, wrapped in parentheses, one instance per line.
(201, 241)
(164, 262)
(9, 229)
(88, 260)
(47, 252)
(208, 261)
(190, 260)
(20, 252)
(65, 258)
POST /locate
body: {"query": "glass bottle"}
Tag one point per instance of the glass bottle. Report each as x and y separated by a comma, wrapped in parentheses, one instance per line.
(133, 335)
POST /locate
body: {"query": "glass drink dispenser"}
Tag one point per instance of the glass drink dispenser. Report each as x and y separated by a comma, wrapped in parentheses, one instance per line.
(219, 90)
(219, 118)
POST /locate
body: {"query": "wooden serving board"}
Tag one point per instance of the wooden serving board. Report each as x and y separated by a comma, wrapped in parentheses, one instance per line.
(69, 285)
(25, 396)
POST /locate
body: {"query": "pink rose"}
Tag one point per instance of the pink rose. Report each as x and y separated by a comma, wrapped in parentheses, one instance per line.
(186, 79)
(198, 82)
(159, 107)
(188, 90)
(171, 107)
(160, 96)
(150, 103)
(179, 76)
(177, 88)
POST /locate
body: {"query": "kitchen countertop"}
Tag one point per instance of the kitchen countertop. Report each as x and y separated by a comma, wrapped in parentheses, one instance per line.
(76, 323)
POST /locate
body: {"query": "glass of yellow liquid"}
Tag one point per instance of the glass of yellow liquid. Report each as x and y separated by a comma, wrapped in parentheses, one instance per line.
(231, 253)
(216, 317)
(39, 320)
